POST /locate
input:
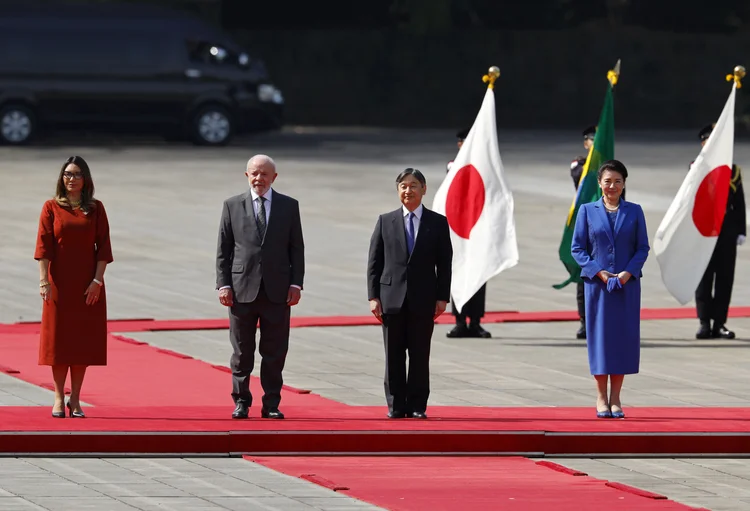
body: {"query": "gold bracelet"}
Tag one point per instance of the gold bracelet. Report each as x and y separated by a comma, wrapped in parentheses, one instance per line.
(43, 284)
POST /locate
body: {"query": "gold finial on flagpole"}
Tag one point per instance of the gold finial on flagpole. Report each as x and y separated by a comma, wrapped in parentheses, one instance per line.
(492, 74)
(614, 74)
(737, 75)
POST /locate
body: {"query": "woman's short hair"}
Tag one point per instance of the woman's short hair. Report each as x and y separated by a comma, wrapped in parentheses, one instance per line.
(614, 166)
(412, 172)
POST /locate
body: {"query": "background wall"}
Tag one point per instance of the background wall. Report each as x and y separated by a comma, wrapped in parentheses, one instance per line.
(550, 79)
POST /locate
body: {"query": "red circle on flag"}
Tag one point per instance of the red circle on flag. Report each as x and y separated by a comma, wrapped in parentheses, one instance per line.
(711, 201)
(465, 200)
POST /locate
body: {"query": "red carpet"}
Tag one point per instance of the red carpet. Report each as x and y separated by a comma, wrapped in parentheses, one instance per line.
(151, 325)
(150, 400)
(466, 483)
(141, 375)
(333, 428)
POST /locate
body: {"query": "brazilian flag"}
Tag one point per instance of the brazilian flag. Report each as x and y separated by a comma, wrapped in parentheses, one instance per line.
(588, 187)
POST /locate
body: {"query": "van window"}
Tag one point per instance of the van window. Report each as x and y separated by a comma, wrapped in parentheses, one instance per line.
(62, 50)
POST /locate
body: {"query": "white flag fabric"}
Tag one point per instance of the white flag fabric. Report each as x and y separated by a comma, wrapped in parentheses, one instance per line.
(476, 199)
(687, 235)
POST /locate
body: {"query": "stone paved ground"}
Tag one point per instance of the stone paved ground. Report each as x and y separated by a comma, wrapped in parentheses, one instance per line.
(164, 201)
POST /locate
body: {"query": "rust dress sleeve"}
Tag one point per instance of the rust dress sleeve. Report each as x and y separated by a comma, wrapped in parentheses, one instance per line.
(103, 244)
(45, 238)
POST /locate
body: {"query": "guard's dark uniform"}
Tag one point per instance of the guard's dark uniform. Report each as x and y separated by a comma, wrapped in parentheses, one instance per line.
(714, 292)
(474, 308)
(576, 171)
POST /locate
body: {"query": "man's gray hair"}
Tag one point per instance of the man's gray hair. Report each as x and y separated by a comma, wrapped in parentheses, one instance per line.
(261, 159)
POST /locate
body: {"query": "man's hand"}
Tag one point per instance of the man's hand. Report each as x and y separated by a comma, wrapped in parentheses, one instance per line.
(624, 276)
(226, 297)
(605, 275)
(293, 296)
(440, 308)
(740, 239)
(376, 309)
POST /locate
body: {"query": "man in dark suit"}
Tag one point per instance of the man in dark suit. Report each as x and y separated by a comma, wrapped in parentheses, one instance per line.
(408, 285)
(260, 265)
(474, 308)
(576, 171)
(714, 292)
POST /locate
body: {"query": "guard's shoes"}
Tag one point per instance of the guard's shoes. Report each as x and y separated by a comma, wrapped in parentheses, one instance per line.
(240, 411)
(581, 333)
(419, 415)
(396, 414)
(271, 413)
(459, 331)
(476, 330)
(704, 332)
(722, 332)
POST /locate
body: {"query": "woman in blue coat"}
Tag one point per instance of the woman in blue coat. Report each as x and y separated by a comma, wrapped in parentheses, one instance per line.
(610, 244)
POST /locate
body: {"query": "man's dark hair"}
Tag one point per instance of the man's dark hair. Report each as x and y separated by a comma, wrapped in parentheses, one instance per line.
(412, 172)
(614, 166)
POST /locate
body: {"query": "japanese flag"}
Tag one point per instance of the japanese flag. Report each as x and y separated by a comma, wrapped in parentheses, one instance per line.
(476, 199)
(687, 235)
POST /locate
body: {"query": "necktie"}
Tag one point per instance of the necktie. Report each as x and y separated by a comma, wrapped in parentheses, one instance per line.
(410, 234)
(261, 218)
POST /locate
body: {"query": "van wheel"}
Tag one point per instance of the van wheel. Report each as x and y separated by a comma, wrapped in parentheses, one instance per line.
(17, 124)
(212, 125)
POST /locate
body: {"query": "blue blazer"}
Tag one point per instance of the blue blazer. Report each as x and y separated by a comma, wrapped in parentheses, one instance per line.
(596, 247)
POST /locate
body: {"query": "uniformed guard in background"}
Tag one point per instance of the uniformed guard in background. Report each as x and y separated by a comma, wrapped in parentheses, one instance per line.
(715, 288)
(474, 308)
(576, 169)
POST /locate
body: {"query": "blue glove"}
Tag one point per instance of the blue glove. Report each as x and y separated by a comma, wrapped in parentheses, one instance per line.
(613, 283)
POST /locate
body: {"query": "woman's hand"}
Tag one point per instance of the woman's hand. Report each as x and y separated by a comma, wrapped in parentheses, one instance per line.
(605, 275)
(624, 276)
(92, 293)
(44, 290)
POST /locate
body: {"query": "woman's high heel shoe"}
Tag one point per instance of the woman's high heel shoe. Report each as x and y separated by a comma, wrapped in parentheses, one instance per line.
(59, 415)
(74, 415)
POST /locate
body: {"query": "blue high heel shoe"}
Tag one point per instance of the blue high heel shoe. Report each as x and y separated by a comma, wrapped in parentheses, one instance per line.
(618, 415)
(604, 415)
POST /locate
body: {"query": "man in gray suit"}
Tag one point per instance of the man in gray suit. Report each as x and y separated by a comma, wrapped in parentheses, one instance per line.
(260, 266)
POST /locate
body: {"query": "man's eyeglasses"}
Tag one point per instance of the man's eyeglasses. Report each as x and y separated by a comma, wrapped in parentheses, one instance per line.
(72, 175)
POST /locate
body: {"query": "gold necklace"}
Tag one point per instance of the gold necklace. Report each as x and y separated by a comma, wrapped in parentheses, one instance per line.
(74, 204)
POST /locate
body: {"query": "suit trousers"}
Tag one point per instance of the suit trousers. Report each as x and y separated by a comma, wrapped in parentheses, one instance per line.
(473, 309)
(274, 345)
(714, 292)
(410, 333)
(580, 299)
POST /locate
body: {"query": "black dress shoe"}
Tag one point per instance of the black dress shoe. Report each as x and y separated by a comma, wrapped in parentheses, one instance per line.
(459, 331)
(722, 332)
(240, 411)
(704, 332)
(397, 414)
(419, 415)
(476, 330)
(581, 333)
(272, 413)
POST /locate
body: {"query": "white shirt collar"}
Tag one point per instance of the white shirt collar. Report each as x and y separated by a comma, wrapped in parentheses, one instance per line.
(417, 212)
(266, 195)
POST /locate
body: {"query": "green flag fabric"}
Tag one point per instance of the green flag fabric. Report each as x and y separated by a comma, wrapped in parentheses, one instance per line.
(588, 187)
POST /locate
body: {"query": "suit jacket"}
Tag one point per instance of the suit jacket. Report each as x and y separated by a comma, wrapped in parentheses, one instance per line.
(243, 260)
(422, 278)
(595, 246)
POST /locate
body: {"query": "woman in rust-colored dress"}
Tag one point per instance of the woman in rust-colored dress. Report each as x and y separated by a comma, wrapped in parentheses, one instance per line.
(73, 250)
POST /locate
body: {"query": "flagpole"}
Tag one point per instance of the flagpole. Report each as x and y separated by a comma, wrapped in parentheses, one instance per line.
(737, 75)
(492, 74)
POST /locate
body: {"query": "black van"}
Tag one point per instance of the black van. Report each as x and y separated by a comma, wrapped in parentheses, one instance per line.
(102, 66)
